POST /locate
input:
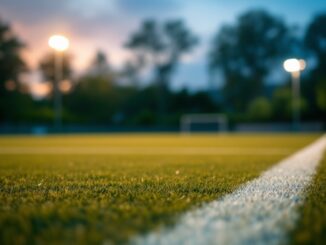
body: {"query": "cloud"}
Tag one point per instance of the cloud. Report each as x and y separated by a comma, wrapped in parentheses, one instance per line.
(144, 7)
(33, 11)
(91, 9)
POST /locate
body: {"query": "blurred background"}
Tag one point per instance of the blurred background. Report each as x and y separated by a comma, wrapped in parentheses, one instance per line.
(142, 65)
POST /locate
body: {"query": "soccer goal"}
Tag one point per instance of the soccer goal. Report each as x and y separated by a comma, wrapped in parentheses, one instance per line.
(203, 123)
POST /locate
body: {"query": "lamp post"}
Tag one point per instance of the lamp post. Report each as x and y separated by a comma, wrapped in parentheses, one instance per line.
(59, 44)
(295, 66)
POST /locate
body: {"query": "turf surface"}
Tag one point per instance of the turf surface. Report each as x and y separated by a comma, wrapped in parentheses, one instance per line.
(311, 228)
(89, 194)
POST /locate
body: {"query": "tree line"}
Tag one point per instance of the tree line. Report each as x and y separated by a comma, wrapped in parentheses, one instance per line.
(245, 55)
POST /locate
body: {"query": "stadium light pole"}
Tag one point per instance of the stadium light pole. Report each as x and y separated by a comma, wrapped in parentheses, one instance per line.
(59, 44)
(295, 66)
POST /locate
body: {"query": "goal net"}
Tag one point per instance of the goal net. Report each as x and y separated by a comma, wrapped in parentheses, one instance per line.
(203, 123)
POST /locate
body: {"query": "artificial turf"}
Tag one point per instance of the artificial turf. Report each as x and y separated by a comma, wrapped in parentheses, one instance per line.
(311, 228)
(91, 197)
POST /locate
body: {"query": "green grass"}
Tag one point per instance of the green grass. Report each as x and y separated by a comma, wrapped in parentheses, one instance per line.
(311, 228)
(86, 195)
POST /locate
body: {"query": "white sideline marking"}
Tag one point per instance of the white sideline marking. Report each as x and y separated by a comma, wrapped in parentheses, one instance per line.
(146, 150)
(259, 212)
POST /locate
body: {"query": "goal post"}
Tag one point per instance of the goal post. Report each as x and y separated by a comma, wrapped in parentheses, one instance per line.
(188, 120)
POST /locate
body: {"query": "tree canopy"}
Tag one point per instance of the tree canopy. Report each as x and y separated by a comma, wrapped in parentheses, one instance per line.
(47, 67)
(160, 47)
(11, 62)
(246, 53)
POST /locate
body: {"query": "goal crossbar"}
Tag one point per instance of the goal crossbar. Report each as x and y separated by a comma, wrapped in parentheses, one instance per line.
(188, 119)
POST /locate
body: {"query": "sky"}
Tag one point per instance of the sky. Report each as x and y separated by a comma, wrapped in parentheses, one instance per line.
(105, 25)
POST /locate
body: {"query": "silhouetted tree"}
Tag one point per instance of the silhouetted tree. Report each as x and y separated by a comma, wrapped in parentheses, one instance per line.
(246, 53)
(314, 40)
(315, 87)
(260, 109)
(11, 63)
(90, 99)
(14, 105)
(161, 47)
(47, 67)
(100, 65)
(130, 72)
(99, 99)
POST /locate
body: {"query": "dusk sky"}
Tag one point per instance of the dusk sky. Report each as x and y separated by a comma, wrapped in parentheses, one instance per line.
(106, 25)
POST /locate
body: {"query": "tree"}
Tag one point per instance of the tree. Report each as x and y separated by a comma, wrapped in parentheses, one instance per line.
(245, 53)
(314, 88)
(100, 65)
(99, 100)
(47, 67)
(160, 47)
(130, 72)
(321, 96)
(90, 100)
(314, 40)
(13, 104)
(282, 102)
(260, 109)
(11, 63)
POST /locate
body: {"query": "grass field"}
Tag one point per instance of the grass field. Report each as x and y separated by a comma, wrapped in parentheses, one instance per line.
(311, 228)
(95, 189)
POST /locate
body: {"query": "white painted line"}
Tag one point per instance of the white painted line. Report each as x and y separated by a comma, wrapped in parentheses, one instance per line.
(259, 212)
(146, 150)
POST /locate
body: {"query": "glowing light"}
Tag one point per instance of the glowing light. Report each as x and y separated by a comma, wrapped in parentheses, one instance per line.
(41, 90)
(294, 65)
(302, 64)
(65, 86)
(59, 43)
